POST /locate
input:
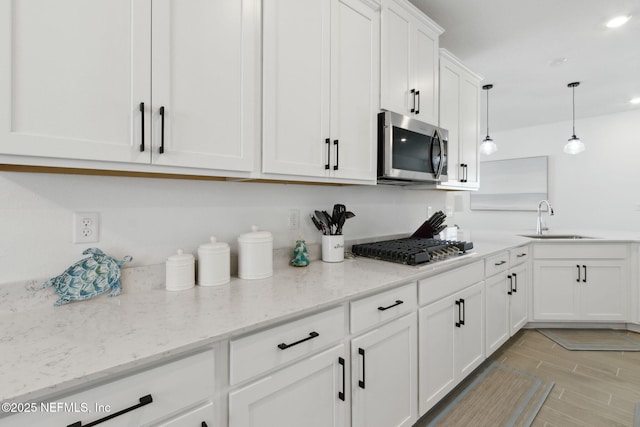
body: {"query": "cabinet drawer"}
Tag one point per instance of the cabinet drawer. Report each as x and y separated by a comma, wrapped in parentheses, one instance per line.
(518, 255)
(496, 263)
(200, 416)
(436, 287)
(381, 307)
(173, 386)
(259, 352)
(580, 251)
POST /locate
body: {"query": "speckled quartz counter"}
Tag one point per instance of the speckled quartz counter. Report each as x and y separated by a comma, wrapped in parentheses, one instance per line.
(47, 350)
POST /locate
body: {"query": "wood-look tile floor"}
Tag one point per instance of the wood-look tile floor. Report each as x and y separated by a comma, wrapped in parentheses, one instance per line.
(592, 388)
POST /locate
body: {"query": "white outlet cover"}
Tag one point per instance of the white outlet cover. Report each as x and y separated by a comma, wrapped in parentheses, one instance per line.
(85, 227)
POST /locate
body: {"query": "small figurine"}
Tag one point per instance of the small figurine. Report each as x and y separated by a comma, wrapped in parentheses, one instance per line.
(88, 277)
(300, 254)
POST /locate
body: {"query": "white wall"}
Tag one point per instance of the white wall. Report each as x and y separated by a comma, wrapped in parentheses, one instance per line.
(150, 218)
(597, 189)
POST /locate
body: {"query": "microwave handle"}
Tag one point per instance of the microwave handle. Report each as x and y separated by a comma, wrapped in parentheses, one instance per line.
(436, 135)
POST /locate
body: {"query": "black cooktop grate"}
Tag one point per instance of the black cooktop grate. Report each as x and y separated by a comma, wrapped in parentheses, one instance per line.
(412, 250)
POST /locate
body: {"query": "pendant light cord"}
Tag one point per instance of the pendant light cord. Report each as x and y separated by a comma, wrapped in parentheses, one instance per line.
(574, 110)
(488, 112)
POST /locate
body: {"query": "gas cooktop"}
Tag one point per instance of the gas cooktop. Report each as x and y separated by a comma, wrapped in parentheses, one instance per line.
(412, 250)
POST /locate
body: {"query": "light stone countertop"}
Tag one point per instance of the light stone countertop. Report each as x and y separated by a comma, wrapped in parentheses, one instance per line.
(47, 350)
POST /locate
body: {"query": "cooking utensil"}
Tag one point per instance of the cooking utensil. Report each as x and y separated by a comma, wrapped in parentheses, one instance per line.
(341, 220)
(325, 222)
(338, 209)
(350, 214)
(316, 223)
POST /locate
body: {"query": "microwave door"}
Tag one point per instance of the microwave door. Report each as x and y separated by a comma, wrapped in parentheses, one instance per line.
(409, 154)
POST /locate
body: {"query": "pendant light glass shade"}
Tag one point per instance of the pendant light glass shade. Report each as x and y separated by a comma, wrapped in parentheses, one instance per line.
(574, 145)
(488, 147)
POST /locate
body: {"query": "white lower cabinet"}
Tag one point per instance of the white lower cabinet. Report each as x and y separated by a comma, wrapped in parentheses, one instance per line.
(309, 393)
(182, 390)
(580, 282)
(505, 306)
(384, 375)
(580, 290)
(450, 344)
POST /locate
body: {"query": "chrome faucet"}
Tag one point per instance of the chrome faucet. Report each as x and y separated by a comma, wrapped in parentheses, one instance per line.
(539, 227)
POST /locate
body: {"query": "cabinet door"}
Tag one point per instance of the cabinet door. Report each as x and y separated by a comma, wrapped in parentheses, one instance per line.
(518, 300)
(497, 298)
(469, 338)
(449, 119)
(425, 57)
(73, 77)
(397, 48)
(355, 86)
(296, 87)
(603, 291)
(469, 128)
(303, 394)
(436, 352)
(385, 375)
(555, 295)
(206, 81)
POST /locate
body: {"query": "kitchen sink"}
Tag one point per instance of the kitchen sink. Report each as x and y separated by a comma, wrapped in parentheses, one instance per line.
(555, 236)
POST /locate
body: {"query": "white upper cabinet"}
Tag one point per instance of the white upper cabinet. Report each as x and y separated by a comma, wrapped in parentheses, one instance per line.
(73, 77)
(409, 72)
(82, 81)
(460, 115)
(206, 82)
(321, 83)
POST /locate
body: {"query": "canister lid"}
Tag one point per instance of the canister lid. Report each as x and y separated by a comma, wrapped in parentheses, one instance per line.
(214, 246)
(180, 258)
(255, 236)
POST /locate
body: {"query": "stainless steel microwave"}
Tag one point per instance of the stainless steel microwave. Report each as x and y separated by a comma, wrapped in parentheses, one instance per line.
(410, 151)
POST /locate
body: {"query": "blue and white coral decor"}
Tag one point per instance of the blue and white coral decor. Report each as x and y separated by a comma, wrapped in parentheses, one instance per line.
(88, 277)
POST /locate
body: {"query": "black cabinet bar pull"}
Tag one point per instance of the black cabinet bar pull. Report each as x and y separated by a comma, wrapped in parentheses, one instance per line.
(328, 142)
(418, 106)
(413, 92)
(144, 400)
(142, 126)
(341, 393)
(464, 172)
(510, 291)
(161, 129)
(312, 335)
(464, 311)
(459, 322)
(336, 142)
(585, 274)
(578, 279)
(361, 353)
(515, 283)
(500, 263)
(520, 255)
(398, 302)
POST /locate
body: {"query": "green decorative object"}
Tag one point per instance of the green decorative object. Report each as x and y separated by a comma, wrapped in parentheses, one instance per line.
(300, 254)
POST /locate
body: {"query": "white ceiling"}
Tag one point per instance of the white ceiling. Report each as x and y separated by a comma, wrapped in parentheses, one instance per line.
(512, 43)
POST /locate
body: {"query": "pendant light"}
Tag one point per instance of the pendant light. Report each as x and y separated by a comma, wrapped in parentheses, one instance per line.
(488, 147)
(574, 146)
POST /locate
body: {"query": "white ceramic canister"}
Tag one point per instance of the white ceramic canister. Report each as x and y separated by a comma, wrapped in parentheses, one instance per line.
(333, 248)
(181, 271)
(213, 263)
(255, 254)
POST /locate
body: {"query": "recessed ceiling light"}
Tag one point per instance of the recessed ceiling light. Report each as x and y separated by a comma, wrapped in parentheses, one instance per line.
(635, 100)
(557, 62)
(618, 21)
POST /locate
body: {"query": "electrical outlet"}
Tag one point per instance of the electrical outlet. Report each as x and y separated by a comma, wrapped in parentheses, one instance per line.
(429, 211)
(293, 219)
(449, 211)
(86, 226)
